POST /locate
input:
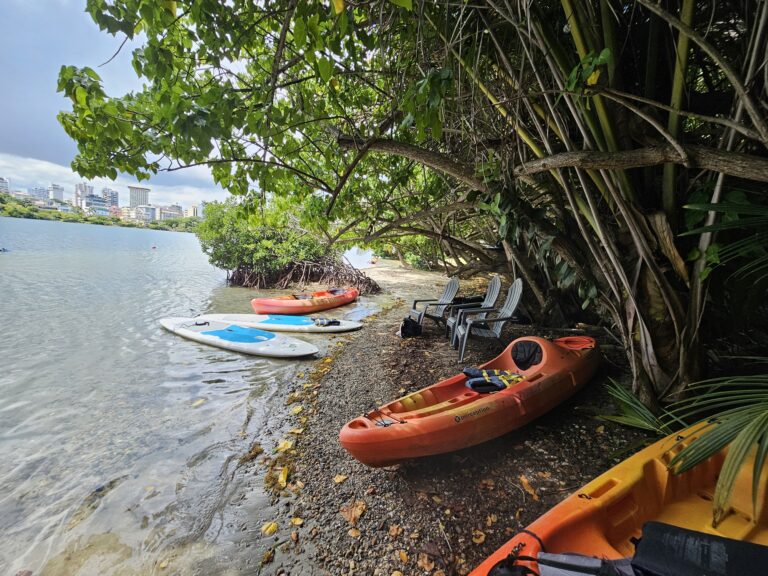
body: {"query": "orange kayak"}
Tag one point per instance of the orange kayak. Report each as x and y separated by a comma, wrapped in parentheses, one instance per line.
(606, 516)
(449, 415)
(305, 302)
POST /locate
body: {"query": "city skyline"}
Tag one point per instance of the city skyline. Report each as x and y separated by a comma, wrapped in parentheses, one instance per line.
(84, 196)
(25, 173)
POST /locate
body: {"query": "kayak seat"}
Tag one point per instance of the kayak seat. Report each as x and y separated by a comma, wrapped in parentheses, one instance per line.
(485, 381)
(526, 353)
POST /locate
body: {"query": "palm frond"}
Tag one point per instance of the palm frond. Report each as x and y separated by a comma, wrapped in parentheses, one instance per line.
(740, 405)
(633, 412)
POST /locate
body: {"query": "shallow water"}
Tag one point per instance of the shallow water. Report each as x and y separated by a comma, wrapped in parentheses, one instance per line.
(119, 441)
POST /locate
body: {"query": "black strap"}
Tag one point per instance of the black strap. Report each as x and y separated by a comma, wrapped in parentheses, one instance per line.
(535, 537)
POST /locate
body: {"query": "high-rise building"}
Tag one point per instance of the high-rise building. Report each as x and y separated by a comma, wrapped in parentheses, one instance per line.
(95, 205)
(82, 189)
(38, 192)
(138, 196)
(146, 213)
(56, 192)
(111, 196)
(170, 212)
(5, 185)
(191, 212)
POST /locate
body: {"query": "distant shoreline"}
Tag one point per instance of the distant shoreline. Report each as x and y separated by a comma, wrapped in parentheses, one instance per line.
(84, 220)
(14, 208)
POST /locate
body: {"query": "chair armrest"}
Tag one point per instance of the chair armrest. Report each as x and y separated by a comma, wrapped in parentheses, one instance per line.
(460, 307)
(434, 303)
(477, 311)
(424, 300)
(491, 320)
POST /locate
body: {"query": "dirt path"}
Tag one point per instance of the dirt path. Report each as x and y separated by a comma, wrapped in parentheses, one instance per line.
(437, 515)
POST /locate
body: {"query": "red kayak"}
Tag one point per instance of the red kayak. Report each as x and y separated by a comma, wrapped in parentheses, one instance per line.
(305, 302)
(531, 376)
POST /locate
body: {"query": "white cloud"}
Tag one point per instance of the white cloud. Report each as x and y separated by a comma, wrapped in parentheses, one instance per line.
(29, 172)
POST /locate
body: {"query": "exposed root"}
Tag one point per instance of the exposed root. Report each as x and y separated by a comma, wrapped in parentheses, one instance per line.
(329, 271)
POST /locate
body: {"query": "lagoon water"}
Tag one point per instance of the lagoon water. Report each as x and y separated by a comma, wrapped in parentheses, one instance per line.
(119, 441)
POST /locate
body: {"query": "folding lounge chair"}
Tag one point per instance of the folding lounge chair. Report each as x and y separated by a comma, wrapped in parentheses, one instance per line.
(488, 327)
(434, 308)
(455, 310)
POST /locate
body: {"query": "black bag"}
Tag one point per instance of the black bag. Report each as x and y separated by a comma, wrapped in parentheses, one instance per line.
(409, 328)
(666, 550)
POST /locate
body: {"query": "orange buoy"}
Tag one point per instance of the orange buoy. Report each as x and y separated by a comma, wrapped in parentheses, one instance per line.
(535, 375)
(305, 302)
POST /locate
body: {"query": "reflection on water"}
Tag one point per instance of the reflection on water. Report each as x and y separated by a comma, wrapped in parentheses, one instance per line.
(119, 441)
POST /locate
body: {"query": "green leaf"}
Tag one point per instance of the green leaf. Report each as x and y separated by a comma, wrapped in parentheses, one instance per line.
(81, 95)
(299, 32)
(325, 68)
(407, 4)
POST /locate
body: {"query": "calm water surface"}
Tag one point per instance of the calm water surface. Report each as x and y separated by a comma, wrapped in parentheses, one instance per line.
(119, 441)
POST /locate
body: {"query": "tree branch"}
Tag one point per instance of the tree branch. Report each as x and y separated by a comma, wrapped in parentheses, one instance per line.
(434, 160)
(731, 163)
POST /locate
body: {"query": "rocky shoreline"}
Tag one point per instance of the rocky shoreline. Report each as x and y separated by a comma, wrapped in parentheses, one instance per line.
(440, 515)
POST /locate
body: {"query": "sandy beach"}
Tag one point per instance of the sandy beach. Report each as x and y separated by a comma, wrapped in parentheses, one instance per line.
(439, 515)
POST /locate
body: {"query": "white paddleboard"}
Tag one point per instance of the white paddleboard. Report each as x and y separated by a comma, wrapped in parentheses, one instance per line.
(282, 323)
(244, 339)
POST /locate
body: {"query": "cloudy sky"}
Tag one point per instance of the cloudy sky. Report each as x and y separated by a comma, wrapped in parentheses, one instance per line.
(36, 38)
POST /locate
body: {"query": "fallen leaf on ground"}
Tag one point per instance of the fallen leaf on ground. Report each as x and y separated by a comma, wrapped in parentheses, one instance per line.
(491, 519)
(397, 573)
(300, 375)
(339, 478)
(296, 431)
(403, 556)
(297, 409)
(439, 573)
(327, 360)
(518, 513)
(269, 528)
(198, 402)
(478, 536)
(600, 429)
(395, 530)
(544, 474)
(295, 536)
(255, 450)
(370, 490)
(354, 532)
(268, 556)
(487, 483)
(297, 521)
(353, 511)
(284, 445)
(436, 499)
(425, 562)
(299, 484)
(282, 480)
(528, 488)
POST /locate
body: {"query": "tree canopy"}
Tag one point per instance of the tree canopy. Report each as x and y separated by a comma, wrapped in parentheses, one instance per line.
(611, 153)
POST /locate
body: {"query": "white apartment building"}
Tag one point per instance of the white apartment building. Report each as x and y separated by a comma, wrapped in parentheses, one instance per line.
(111, 196)
(5, 185)
(138, 196)
(170, 212)
(56, 192)
(38, 192)
(82, 190)
(191, 212)
(146, 213)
